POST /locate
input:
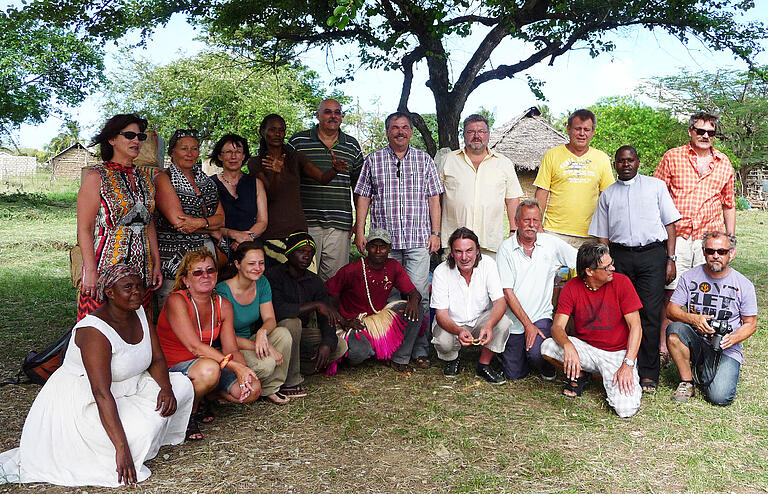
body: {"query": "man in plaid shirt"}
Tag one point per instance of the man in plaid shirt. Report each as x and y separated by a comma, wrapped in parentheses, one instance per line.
(700, 180)
(401, 187)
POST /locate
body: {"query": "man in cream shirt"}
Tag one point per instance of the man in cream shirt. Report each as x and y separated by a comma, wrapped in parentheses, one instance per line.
(479, 186)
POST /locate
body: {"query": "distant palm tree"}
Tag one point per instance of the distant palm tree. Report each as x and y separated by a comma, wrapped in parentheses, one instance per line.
(69, 134)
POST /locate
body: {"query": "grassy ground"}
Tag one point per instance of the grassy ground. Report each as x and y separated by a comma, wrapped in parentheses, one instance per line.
(371, 430)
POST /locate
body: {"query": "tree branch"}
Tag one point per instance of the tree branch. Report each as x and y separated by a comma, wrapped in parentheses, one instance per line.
(487, 21)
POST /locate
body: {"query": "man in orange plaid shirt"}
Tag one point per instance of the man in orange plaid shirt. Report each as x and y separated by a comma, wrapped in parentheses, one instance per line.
(700, 180)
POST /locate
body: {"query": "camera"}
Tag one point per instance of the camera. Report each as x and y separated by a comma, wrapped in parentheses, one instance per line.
(721, 328)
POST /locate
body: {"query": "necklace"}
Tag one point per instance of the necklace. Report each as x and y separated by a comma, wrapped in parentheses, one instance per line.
(589, 287)
(368, 290)
(197, 314)
(221, 176)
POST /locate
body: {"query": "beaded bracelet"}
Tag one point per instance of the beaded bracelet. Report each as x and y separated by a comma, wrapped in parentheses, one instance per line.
(223, 363)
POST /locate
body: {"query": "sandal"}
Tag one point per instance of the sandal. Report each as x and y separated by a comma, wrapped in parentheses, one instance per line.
(649, 386)
(422, 362)
(277, 398)
(577, 386)
(294, 391)
(204, 413)
(193, 429)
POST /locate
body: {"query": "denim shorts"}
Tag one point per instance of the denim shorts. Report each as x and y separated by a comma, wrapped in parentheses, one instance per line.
(226, 379)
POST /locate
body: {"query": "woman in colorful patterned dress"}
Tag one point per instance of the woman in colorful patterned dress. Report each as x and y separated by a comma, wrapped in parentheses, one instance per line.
(114, 212)
(191, 215)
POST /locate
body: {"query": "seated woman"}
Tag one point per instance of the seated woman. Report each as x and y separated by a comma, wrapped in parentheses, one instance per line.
(280, 168)
(191, 320)
(111, 405)
(241, 194)
(268, 351)
(190, 214)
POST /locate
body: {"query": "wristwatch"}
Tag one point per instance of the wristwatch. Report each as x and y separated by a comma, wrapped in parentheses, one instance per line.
(672, 258)
(436, 234)
(630, 363)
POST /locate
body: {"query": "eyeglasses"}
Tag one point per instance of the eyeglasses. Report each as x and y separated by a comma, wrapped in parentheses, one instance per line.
(238, 152)
(133, 135)
(711, 252)
(475, 132)
(328, 111)
(199, 272)
(605, 268)
(701, 132)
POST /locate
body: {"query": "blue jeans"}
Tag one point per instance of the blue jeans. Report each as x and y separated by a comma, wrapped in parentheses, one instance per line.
(715, 373)
(416, 264)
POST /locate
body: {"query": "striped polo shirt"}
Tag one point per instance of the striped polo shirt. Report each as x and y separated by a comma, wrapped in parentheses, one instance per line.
(328, 206)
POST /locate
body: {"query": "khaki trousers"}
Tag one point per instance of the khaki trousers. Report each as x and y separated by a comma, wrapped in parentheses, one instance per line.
(272, 376)
(306, 341)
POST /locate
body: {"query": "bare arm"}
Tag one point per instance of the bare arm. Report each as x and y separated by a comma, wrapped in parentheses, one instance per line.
(97, 360)
(747, 329)
(729, 217)
(362, 204)
(434, 217)
(158, 369)
(511, 205)
(698, 321)
(571, 359)
(624, 376)
(88, 200)
(154, 253)
(542, 196)
(671, 270)
(517, 309)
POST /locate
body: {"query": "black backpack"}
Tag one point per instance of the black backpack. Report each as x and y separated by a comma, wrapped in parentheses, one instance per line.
(38, 366)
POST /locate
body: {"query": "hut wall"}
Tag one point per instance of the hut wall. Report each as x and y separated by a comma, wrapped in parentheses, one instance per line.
(526, 178)
(17, 166)
(68, 165)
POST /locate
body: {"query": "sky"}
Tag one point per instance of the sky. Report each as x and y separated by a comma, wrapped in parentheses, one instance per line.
(575, 79)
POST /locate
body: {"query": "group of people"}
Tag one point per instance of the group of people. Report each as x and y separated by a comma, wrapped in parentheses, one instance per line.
(292, 304)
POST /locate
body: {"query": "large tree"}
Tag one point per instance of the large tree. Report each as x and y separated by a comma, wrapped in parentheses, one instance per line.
(43, 68)
(739, 98)
(214, 93)
(399, 34)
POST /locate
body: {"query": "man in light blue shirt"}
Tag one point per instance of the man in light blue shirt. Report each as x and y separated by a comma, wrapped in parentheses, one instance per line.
(527, 265)
(636, 217)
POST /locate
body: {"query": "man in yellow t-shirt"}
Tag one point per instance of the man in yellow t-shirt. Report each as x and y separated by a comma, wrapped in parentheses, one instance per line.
(570, 180)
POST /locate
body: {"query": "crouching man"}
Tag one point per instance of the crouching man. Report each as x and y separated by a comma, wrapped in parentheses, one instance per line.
(607, 331)
(469, 305)
(705, 341)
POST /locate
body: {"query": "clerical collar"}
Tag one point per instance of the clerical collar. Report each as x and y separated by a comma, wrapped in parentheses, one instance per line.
(628, 182)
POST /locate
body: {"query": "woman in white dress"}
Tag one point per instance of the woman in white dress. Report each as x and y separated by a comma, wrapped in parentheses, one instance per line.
(110, 406)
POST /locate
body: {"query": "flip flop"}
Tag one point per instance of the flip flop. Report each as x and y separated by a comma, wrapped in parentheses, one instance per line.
(294, 392)
(277, 398)
(204, 413)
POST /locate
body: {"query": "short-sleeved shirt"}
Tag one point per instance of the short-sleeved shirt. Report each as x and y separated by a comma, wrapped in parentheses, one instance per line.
(349, 286)
(239, 213)
(728, 298)
(246, 315)
(399, 190)
(699, 198)
(466, 302)
(474, 197)
(634, 212)
(283, 196)
(574, 184)
(173, 349)
(330, 205)
(599, 316)
(531, 277)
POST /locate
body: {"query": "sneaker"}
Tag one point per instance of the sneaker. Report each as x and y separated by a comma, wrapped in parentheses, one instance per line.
(451, 368)
(684, 392)
(490, 375)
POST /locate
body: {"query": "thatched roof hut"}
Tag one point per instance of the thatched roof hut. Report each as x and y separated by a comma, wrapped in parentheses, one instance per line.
(68, 163)
(524, 140)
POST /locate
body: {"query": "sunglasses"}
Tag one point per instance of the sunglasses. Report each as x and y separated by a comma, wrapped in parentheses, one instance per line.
(133, 135)
(199, 272)
(398, 168)
(701, 132)
(711, 252)
(328, 111)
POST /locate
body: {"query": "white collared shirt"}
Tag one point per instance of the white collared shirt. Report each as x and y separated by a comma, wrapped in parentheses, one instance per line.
(466, 302)
(532, 278)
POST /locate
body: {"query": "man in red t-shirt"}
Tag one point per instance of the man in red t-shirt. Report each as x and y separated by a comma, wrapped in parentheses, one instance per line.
(605, 309)
(362, 287)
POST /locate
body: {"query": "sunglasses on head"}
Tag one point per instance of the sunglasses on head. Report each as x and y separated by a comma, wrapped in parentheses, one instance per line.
(701, 132)
(199, 272)
(133, 135)
(722, 252)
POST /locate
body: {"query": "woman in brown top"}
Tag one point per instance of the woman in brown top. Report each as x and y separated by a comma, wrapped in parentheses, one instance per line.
(280, 168)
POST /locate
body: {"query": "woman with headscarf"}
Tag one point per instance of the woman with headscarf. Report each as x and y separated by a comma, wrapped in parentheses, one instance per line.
(111, 405)
(114, 212)
(191, 215)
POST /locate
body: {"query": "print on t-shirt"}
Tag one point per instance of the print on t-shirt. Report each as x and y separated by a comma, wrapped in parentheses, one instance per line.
(711, 298)
(601, 317)
(578, 171)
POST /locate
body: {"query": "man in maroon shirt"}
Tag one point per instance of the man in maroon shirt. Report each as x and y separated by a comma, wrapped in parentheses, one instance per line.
(605, 308)
(361, 289)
